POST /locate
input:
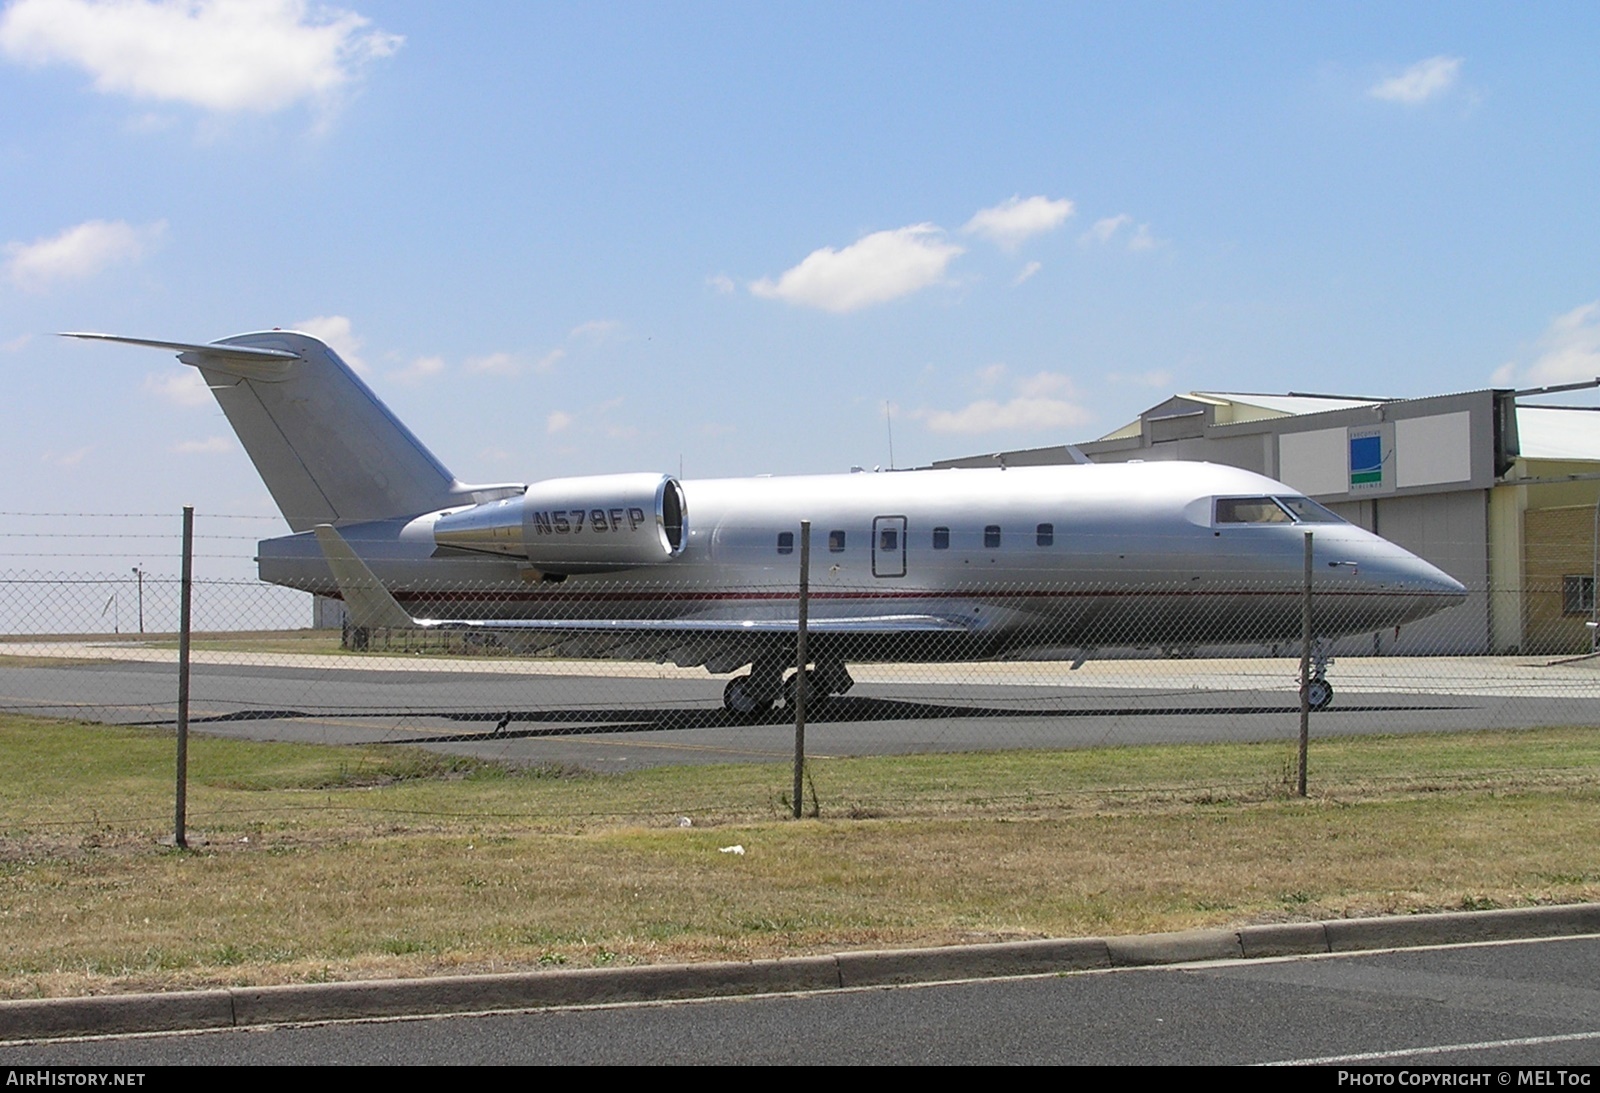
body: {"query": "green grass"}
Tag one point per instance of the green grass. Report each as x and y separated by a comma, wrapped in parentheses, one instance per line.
(334, 862)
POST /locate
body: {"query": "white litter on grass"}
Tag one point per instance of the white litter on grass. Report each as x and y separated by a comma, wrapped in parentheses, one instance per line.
(734, 849)
(684, 821)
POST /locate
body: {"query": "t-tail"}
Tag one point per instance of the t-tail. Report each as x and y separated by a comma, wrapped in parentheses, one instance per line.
(327, 448)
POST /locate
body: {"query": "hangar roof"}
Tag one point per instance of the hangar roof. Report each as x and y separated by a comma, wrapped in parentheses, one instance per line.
(1289, 405)
(1544, 432)
(1559, 432)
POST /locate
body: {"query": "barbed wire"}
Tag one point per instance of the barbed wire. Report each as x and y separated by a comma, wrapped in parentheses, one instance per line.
(113, 535)
(146, 515)
(103, 554)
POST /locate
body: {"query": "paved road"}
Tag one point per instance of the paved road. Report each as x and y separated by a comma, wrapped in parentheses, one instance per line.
(614, 716)
(1516, 1004)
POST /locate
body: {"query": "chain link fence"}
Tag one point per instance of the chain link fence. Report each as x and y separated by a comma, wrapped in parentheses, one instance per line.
(982, 667)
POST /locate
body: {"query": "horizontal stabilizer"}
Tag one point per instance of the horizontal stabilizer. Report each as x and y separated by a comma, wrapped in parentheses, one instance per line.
(249, 362)
(327, 448)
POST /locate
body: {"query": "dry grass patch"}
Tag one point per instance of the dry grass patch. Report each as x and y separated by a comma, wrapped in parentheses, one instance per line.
(344, 862)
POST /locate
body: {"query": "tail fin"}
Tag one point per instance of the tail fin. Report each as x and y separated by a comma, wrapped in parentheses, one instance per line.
(327, 448)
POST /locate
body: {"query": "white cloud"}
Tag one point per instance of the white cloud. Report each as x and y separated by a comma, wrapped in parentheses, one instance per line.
(1105, 228)
(1569, 350)
(1422, 81)
(1020, 415)
(875, 269)
(1018, 219)
(1041, 384)
(211, 445)
(495, 364)
(721, 282)
(418, 370)
(991, 374)
(180, 386)
(596, 330)
(336, 331)
(558, 421)
(1027, 271)
(1041, 404)
(220, 55)
(1108, 228)
(80, 251)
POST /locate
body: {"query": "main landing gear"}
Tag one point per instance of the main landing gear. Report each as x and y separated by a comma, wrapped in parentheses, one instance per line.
(754, 695)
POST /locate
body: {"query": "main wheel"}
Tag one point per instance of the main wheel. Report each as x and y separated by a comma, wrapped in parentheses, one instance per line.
(791, 687)
(737, 699)
(1319, 692)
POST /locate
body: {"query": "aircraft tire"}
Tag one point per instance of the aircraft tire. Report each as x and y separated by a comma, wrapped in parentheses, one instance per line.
(1319, 693)
(738, 701)
(814, 696)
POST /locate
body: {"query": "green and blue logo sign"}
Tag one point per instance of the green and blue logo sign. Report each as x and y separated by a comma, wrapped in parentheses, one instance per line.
(1366, 459)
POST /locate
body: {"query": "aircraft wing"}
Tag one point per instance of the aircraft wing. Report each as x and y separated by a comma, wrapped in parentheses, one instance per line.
(372, 605)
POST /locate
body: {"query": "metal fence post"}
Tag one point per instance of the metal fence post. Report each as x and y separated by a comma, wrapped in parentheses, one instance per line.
(800, 659)
(179, 836)
(1305, 667)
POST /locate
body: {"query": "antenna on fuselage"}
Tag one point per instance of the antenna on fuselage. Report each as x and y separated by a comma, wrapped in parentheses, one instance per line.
(888, 419)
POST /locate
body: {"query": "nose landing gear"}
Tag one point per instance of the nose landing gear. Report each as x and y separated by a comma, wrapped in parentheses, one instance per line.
(1319, 692)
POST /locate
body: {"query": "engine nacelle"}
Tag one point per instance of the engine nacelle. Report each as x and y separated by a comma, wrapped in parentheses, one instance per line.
(595, 524)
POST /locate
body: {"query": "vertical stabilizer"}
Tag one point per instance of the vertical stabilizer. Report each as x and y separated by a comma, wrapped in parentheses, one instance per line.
(327, 448)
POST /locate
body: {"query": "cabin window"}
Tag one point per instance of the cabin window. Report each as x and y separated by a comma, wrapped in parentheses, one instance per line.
(836, 542)
(991, 536)
(785, 542)
(889, 539)
(941, 538)
(1577, 595)
(1251, 510)
(1044, 534)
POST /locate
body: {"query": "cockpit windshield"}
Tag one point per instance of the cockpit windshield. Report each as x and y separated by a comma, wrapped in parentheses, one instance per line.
(1307, 511)
(1251, 510)
(1272, 510)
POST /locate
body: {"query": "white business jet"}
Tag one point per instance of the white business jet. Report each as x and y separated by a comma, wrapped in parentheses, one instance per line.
(931, 565)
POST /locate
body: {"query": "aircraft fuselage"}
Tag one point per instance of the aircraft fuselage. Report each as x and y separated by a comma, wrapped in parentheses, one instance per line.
(1084, 555)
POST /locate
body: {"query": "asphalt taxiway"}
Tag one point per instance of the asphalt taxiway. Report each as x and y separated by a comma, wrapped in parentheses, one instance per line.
(618, 716)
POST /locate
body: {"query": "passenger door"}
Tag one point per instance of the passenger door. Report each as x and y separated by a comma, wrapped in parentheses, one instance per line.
(889, 546)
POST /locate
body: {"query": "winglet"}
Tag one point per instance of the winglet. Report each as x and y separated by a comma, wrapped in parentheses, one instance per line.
(370, 604)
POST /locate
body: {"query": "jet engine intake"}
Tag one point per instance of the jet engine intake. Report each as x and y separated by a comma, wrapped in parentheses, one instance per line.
(594, 524)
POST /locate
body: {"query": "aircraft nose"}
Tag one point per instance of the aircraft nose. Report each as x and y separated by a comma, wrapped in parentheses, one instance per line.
(1403, 578)
(1412, 574)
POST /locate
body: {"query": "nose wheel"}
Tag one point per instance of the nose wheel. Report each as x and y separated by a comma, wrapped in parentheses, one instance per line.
(1319, 693)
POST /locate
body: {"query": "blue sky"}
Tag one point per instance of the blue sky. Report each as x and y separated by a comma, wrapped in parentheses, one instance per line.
(566, 239)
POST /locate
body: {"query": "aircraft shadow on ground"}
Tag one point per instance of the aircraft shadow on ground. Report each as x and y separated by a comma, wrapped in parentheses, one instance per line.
(517, 724)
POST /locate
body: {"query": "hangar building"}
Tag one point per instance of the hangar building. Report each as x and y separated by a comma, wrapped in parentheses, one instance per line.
(1503, 496)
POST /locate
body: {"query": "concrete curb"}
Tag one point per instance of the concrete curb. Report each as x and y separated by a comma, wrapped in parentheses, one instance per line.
(52, 1018)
